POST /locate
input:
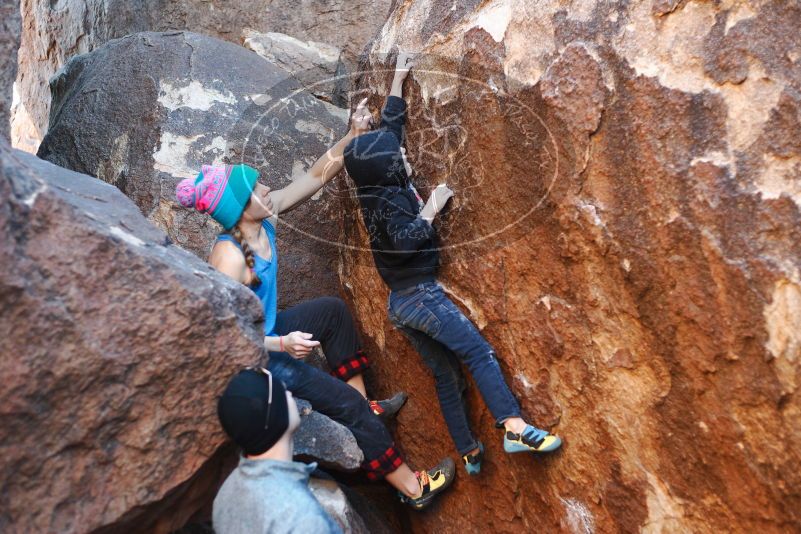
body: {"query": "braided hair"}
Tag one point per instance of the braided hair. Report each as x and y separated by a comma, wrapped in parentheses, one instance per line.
(250, 260)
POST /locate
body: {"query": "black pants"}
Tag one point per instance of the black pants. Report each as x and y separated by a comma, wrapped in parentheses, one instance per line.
(330, 322)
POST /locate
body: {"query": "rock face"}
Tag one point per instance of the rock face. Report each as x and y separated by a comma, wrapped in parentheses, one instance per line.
(53, 31)
(114, 347)
(9, 43)
(625, 232)
(347, 25)
(317, 66)
(146, 111)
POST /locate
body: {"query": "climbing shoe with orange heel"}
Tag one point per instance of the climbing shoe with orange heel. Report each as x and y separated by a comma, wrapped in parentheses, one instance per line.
(388, 408)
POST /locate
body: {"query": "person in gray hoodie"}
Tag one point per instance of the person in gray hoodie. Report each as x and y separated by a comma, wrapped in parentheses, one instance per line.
(267, 492)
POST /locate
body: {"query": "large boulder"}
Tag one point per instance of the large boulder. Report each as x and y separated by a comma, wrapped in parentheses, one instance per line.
(115, 344)
(147, 110)
(626, 232)
(9, 44)
(53, 31)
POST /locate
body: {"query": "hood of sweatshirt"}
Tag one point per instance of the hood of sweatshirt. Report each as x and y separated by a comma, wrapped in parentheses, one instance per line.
(374, 159)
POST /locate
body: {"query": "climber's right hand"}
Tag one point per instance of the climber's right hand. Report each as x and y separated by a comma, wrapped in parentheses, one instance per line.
(299, 344)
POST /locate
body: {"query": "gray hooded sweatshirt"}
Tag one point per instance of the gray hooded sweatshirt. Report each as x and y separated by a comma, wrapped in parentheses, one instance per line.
(269, 496)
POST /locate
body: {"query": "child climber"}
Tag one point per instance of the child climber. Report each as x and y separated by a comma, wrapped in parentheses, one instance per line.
(404, 249)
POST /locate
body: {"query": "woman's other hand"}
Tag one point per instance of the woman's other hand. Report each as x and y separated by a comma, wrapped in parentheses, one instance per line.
(361, 120)
(299, 344)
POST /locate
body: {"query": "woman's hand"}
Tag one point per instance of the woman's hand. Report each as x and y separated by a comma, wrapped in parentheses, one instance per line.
(361, 120)
(299, 344)
(439, 197)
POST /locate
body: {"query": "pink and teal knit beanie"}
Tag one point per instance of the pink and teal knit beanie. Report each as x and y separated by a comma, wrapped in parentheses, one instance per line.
(221, 191)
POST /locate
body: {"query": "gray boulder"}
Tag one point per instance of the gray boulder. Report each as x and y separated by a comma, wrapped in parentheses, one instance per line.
(325, 441)
(54, 31)
(336, 504)
(147, 110)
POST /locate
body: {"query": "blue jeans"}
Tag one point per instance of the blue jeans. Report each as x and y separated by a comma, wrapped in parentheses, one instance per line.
(444, 337)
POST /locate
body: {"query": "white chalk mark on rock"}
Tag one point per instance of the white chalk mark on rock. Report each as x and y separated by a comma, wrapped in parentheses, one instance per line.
(193, 95)
(579, 518)
(171, 155)
(783, 323)
(495, 19)
(127, 237)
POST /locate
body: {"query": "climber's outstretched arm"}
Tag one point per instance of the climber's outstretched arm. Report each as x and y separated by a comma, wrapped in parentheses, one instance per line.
(393, 116)
(325, 168)
(403, 64)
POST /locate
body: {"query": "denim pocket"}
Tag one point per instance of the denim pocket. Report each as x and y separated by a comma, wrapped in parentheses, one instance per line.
(411, 311)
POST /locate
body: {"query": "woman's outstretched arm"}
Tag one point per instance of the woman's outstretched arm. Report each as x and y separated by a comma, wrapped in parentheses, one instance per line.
(325, 168)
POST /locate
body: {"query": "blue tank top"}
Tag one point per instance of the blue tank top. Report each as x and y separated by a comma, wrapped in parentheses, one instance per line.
(267, 271)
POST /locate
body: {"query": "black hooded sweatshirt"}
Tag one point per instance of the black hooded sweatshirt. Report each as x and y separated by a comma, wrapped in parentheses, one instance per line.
(404, 245)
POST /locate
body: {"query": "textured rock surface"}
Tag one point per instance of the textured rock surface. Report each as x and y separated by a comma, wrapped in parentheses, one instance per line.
(317, 66)
(146, 111)
(625, 231)
(325, 441)
(336, 504)
(114, 347)
(9, 43)
(53, 31)
(346, 25)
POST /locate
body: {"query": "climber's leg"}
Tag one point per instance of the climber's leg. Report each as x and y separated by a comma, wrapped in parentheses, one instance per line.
(425, 308)
(343, 404)
(330, 322)
(450, 385)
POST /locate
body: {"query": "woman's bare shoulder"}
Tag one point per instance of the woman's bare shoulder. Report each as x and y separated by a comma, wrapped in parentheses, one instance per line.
(227, 258)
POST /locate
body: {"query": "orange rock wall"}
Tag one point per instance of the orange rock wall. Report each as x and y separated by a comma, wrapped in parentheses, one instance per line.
(625, 232)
